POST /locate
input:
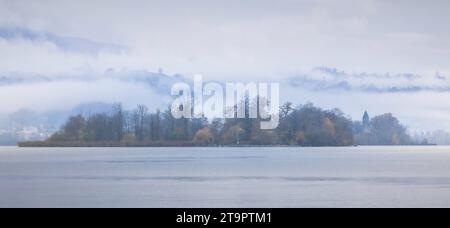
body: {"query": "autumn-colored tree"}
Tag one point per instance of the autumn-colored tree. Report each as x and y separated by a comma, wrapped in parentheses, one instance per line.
(203, 137)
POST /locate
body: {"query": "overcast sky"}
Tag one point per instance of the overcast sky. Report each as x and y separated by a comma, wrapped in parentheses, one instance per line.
(250, 39)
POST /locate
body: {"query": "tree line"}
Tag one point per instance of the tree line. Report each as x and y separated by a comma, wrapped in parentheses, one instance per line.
(304, 125)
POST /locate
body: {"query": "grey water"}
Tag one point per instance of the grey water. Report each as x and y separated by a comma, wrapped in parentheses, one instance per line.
(225, 177)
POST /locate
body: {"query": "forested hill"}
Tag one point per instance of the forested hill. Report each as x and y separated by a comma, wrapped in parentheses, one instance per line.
(305, 125)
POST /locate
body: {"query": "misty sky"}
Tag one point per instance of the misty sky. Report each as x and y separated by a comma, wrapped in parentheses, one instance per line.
(390, 56)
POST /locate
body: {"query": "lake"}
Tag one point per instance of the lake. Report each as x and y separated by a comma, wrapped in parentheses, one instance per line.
(225, 177)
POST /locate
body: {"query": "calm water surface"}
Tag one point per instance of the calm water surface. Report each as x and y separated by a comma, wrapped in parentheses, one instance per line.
(225, 177)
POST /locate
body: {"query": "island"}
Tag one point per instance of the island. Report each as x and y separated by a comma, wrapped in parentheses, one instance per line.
(303, 125)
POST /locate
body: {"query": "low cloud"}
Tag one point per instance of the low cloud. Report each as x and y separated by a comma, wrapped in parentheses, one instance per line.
(158, 82)
(332, 80)
(64, 95)
(67, 44)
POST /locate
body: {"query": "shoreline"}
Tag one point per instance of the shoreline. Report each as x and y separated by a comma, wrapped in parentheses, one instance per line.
(155, 144)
